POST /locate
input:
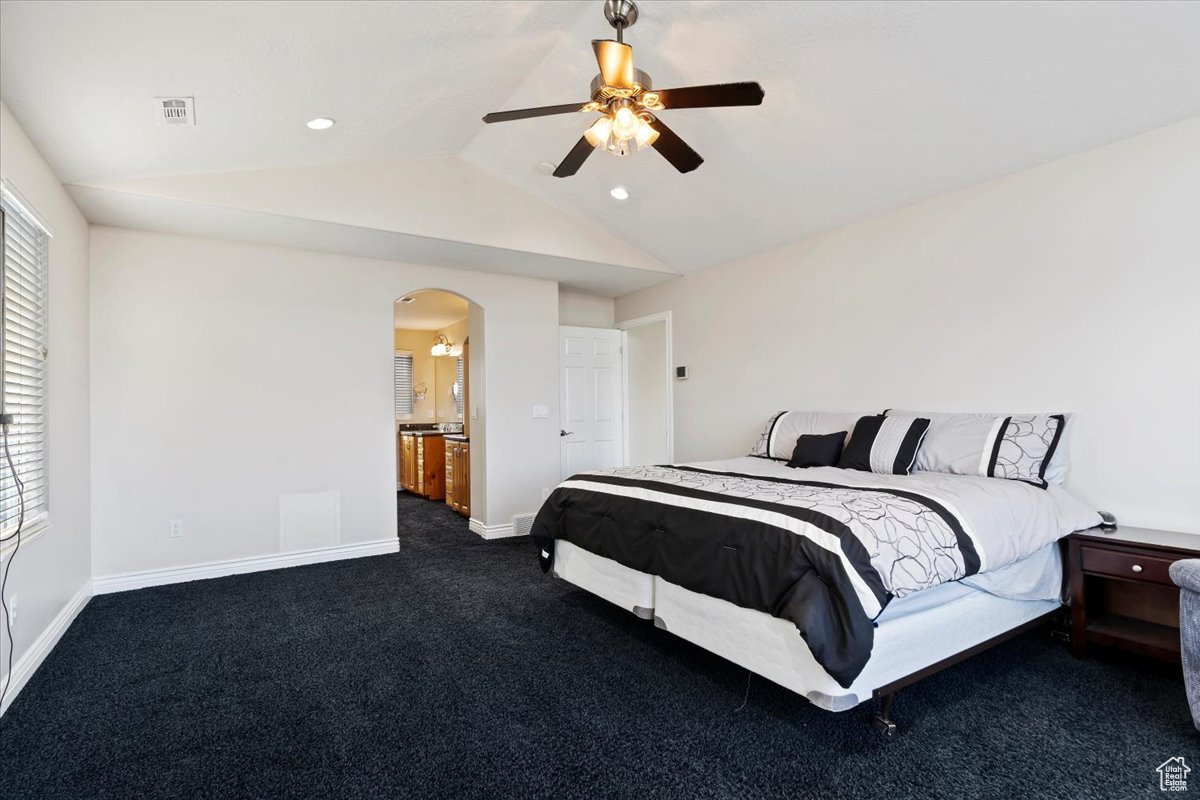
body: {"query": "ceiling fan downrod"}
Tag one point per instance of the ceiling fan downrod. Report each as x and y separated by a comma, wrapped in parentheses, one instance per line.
(621, 14)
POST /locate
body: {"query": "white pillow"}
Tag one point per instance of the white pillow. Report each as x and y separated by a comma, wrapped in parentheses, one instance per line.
(981, 444)
(779, 435)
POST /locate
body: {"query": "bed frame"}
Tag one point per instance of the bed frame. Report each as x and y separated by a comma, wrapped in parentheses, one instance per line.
(885, 695)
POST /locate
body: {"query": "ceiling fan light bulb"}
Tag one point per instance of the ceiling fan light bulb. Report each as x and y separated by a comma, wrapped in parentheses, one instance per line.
(625, 124)
(646, 135)
(597, 135)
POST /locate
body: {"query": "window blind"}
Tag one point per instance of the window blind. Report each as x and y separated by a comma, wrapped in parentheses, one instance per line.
(26, 248)
(458, 376)
(402, 373)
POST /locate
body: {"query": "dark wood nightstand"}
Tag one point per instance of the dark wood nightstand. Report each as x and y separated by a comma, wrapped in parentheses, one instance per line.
(1121, 594)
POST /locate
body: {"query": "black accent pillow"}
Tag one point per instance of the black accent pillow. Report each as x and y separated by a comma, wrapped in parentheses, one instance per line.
(886, 445)
(818, 450)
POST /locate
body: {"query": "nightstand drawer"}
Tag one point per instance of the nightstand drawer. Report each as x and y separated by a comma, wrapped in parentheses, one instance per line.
(1124, 564)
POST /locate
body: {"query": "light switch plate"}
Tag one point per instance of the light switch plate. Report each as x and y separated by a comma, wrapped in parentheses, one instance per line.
(541, 412)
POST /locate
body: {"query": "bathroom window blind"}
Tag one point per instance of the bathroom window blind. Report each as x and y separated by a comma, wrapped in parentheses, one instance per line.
(402, 374)
(458, 376)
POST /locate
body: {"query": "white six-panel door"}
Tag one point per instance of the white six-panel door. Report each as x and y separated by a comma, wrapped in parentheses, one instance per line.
(591, 399)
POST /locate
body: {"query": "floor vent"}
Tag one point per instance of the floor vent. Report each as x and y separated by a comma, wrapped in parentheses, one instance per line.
(175, 111)
(523, 524)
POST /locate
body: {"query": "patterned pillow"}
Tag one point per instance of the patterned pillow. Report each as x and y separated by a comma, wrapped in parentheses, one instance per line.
(779, 435)
(1020, 447)
(1024, 447)
(886, 445)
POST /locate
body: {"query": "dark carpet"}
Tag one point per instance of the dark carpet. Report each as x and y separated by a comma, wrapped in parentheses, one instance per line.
(456, 669)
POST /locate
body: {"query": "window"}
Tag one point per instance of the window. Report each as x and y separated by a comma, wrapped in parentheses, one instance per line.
(458, 382)
(402, 374)
(26, 249)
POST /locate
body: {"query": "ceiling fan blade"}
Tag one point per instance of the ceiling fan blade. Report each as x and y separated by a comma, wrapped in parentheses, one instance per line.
(574, 160)
(747, 93)
(674, 149)
(616, 62)
(526, 113)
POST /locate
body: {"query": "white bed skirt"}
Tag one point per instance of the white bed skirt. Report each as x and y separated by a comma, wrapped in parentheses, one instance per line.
(913, 633)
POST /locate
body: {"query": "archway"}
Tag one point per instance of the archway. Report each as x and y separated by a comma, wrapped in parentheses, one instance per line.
(439, 393)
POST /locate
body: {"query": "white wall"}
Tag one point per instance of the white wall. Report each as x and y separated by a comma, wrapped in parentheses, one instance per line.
(584, 310)
(52, 568)
(227, 374)
(646, 366)
(1072, 286)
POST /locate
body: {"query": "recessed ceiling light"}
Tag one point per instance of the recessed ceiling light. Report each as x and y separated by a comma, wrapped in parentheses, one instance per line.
(619, 193)
(320, 123)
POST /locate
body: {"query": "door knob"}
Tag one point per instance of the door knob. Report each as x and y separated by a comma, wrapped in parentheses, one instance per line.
(566, 433)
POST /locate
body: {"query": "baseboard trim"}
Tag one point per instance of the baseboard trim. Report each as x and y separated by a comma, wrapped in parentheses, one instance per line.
(238, 566)
(28, 663)
(492, 531)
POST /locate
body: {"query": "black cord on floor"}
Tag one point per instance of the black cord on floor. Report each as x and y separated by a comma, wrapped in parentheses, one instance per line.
(745, 699)
(4, 576)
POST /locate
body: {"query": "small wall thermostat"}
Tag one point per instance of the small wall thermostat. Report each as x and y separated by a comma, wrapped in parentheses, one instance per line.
(681, 373)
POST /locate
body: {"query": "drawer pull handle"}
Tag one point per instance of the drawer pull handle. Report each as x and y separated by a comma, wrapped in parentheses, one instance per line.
(1136, 567)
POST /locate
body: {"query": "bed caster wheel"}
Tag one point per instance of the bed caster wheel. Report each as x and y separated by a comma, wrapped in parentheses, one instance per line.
(882, 721)
(886, 727)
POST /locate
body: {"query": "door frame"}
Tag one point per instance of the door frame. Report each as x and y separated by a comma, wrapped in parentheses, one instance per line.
(624, 327)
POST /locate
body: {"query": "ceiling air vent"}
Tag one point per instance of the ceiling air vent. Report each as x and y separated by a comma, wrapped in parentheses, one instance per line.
(174, 111)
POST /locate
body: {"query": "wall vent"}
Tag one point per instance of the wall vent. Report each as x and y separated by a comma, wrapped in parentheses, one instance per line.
(175, 110)
(523, 524)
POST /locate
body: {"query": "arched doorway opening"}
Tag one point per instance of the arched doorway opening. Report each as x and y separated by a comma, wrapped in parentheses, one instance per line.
(437, 381)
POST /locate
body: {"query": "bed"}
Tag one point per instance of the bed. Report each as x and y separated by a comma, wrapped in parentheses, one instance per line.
(841, 585)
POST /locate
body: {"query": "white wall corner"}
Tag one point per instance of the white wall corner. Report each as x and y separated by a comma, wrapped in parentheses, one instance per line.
(33, 657)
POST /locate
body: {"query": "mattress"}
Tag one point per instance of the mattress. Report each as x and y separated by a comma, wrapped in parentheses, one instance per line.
(945, 620)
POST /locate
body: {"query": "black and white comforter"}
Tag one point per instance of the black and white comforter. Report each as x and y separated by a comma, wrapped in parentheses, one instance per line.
(823, 548)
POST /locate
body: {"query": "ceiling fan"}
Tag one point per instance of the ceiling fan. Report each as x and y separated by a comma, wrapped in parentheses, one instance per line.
(628, 103)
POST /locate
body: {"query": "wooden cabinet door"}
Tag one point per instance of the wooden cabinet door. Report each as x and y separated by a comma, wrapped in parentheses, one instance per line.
(463, 484)
(400, 459)
(409, 457)
(432, 467)
(456, 501)
(451, 474)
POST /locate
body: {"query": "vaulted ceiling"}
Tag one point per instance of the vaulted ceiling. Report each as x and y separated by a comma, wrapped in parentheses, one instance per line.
(869, 106)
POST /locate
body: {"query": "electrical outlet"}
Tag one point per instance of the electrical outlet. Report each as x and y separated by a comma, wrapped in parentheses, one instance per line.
(176, 528)
(12, 611)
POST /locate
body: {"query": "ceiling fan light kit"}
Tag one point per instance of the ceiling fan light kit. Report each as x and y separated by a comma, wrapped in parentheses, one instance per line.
(628, 104)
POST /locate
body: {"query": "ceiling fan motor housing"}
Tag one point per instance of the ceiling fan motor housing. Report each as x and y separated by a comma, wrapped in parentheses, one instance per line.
(620, 14)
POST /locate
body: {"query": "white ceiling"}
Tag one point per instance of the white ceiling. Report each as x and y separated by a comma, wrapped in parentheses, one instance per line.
(869, 106)
(431, 311)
